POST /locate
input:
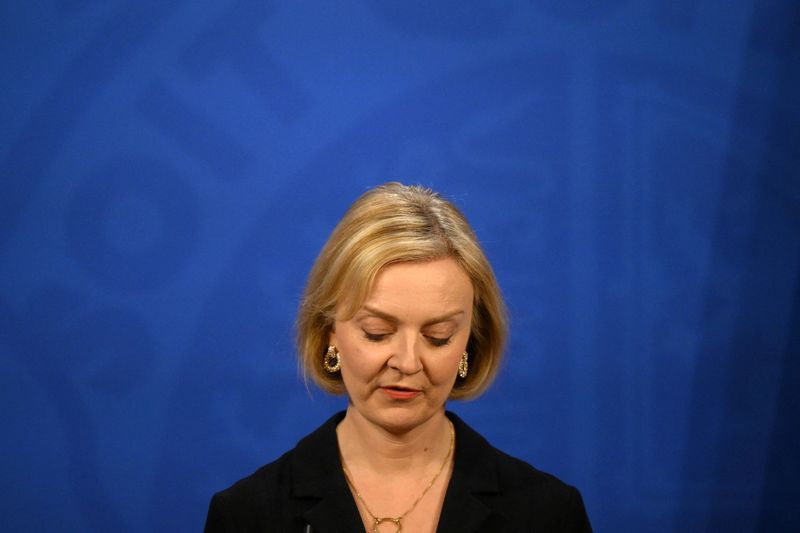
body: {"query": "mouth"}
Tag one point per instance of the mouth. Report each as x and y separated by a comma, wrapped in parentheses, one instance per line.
(399, 392)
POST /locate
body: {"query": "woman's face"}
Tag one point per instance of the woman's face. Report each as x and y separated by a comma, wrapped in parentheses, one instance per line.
(400, 351)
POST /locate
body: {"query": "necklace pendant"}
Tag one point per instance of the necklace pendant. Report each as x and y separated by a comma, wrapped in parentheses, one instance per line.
(379, 521)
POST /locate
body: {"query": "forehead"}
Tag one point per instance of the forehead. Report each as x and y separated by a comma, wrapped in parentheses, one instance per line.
(436, 286)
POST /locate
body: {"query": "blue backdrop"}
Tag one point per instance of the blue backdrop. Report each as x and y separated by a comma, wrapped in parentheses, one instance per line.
(169, 170)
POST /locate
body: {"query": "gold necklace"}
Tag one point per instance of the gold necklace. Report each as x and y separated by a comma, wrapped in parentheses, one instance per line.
(396, 520)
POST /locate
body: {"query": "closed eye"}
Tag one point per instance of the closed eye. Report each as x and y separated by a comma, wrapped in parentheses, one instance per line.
(437, 341)
(375, 337)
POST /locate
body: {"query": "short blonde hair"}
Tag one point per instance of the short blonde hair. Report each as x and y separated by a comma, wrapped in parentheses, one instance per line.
(389, 224)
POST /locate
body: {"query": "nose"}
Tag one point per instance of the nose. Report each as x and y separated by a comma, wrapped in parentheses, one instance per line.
(405, 356)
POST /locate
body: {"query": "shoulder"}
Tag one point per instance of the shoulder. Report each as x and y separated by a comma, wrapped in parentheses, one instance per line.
(497, 469)
(264, 482)
(251, 500)
(266, 498)
(516, 474)
(515, 491)
(519, 481)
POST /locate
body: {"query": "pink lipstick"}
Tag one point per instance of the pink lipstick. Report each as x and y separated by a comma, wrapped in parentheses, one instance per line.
(396, 393)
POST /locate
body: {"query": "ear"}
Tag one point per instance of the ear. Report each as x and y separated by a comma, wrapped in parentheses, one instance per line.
(332, 336)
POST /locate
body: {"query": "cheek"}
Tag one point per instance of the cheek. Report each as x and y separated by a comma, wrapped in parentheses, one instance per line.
(444, 370)
(360, 362)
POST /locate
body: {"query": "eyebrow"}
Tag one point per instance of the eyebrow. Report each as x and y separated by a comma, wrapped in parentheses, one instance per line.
(436, 320)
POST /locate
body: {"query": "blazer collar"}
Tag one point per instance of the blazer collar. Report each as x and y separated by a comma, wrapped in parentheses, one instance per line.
(317, 475)
(318, 478)
(474, 475)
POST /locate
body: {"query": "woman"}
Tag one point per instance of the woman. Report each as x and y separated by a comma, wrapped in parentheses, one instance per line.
(401, 312)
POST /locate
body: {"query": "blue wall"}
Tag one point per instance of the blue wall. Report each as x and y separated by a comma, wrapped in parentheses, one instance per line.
(168, 172)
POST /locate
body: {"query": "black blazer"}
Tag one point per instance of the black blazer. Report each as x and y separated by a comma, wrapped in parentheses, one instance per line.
(305, 491)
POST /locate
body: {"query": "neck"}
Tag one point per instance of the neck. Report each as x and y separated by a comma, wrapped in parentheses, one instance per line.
(364, 443)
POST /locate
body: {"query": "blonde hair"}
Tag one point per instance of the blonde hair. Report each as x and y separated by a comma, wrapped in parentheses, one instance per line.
(389, 224)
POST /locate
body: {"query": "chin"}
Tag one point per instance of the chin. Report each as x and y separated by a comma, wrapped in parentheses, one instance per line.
(403, 419)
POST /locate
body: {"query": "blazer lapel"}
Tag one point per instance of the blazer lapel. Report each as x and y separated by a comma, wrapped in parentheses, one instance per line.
(319, 489)
(474, 474)
(332, 514)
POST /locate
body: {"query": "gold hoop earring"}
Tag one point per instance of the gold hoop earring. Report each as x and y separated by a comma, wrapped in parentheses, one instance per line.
(331, 362)
(463, 365)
